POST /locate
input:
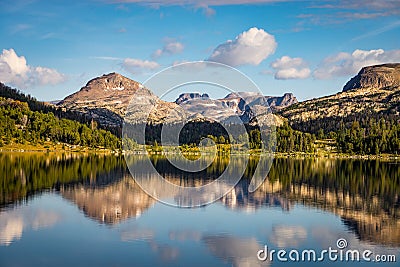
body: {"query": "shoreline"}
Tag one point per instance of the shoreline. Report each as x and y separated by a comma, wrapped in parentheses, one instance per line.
(58, 149)
(336, 156)
(298, 155)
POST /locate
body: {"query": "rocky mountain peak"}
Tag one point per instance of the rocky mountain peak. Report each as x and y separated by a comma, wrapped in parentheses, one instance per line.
(288, 96)
(188, 96)
(279, 102)
(286, 100)
(112, 81)
(377, 76)
(105, 98)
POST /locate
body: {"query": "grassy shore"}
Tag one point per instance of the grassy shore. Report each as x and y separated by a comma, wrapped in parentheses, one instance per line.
(53, 147)
(325, 151)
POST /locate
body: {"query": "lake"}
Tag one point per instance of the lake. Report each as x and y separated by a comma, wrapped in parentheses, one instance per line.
(87, 210)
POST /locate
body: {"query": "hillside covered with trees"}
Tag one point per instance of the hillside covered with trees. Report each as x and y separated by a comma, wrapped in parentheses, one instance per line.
(24, 120)
(19, 124)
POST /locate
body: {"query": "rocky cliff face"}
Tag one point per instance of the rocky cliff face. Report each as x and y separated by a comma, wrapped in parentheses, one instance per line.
(375, 89)
(279, 102)
(379, 76)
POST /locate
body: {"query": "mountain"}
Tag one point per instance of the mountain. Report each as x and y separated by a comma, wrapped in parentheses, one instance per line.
(33, 103)
(379, 76)
(110, 203)
(279, 102)
(187, 96)
(374, 92)
(274, 102)
(103, 98)
(106, 100)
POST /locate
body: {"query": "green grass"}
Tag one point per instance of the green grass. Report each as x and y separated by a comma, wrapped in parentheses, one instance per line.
(48, 147)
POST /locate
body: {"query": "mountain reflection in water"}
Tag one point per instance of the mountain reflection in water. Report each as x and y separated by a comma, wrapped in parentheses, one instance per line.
(364, 193)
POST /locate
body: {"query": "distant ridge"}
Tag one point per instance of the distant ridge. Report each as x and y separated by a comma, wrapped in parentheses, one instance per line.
(187, 96)
(106, 99)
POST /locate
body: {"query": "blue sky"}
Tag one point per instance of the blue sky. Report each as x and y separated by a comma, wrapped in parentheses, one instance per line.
(52, 48)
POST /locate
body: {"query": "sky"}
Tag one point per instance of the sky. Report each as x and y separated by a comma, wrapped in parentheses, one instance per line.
(50, 49)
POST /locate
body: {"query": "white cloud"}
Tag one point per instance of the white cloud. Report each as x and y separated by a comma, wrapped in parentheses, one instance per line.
(292, 73)
(234, 250)
(170, 47)
(14, 222)
(290, 68)
(43, 76)
(346, 64)
(250, 47)
(288, 236)
(287, 62)
(14, 70)
(11, 229)
(17, 65)
(137, 65)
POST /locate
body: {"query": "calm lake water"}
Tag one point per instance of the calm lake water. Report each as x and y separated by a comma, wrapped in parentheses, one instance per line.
(75, 210)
